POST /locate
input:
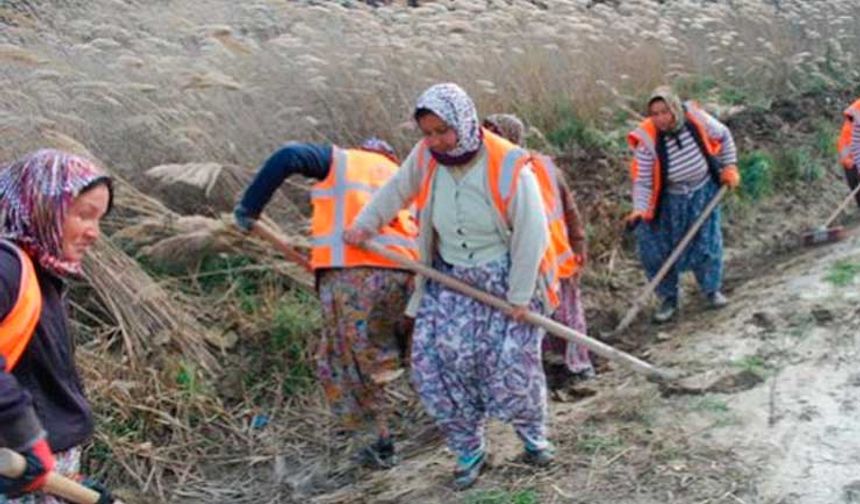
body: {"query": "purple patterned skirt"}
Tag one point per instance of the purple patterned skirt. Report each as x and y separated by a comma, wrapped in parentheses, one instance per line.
(570, 313)
(471, 361)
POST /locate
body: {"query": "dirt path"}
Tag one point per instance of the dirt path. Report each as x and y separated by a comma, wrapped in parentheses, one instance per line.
(794, 437)
(799, 328)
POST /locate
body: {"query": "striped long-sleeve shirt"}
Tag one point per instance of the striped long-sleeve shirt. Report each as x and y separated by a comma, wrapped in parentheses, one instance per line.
(688, 168)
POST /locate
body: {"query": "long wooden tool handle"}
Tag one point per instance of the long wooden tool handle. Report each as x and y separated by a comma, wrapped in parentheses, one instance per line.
(646, 292)
(274, 237)
(842, 206)
(12, 465)
(539, 320)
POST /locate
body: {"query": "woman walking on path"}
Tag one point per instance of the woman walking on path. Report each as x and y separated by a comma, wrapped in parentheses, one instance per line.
(481, 221)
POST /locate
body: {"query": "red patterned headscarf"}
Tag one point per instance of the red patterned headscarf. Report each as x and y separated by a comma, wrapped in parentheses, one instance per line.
(35, 194)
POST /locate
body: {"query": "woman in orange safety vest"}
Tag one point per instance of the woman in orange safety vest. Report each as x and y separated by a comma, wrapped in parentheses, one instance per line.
(562, 359)
(363, 295)
(481, 221)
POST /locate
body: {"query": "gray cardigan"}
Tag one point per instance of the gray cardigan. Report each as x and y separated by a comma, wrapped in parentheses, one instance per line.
(526, 237)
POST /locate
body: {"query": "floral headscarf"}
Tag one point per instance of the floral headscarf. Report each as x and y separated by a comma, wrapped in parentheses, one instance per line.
(35, 194)
(374, 144)
(453, 105)
(508, 126)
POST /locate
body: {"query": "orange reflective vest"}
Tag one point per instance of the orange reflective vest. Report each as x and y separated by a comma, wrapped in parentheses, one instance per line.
(843, 145)
(504, 162)
(354, 175)
(17, 328)
(547, 175)
(647, 134)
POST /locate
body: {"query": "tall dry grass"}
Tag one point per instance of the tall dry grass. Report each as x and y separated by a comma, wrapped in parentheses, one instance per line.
(149, 83)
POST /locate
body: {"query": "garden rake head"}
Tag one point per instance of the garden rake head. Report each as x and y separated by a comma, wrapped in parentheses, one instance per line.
(825, 233)
(822, 235)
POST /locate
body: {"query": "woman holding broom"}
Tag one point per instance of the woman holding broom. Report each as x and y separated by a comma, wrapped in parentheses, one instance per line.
(681, 155)
(482, 222)
(51, 204)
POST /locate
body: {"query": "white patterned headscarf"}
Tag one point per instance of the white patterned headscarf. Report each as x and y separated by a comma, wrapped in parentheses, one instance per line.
(453, 105)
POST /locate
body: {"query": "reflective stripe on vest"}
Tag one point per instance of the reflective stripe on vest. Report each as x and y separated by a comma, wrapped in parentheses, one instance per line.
(646, 134)
(547, 176)
(843, 144)
(353, 177)
(504, 162)
(17, 328)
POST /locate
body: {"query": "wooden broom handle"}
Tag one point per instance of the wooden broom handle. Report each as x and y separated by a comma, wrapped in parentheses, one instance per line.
(12, 465)
(842, 206)
(646, 292)
(539, 320)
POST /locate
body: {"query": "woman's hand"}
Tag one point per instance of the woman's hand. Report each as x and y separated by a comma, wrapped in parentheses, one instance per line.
(519, 312)
(730, 177)
(356, 236)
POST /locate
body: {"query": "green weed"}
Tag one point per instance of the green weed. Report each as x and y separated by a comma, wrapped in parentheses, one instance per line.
(503, 497)
(733, 95)
(571, 130)
(710, 404)
(842, 273)
(824, 141)
(797, 165)
(756, 175)
(592, 443)
(752, 363)
(188, 378)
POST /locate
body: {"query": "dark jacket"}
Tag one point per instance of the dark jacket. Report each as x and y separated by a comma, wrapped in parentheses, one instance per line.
(44, 390)
(311, 160)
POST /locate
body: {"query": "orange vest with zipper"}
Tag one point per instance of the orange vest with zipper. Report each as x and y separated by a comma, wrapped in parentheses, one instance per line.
(504, 162)
(353, 177)
(17, 328)
(647, 134)
(566, 262)
(843, 145)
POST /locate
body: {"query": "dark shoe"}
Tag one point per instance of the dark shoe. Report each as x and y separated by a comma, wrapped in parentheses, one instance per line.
(466, 475)
(666, 312)
(379, 455)
(717, 300)
(539, 458)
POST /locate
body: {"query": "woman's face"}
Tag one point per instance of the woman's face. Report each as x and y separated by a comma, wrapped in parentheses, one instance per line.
(440, 137)
(662, 116)
(81, 226)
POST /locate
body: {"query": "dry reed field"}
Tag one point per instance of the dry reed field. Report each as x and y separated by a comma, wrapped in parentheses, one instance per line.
(196, 340)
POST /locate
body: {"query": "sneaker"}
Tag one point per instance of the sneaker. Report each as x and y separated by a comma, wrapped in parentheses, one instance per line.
(666, 311)
(379, 455)
(539, 457)
(717, 300)
(467, 472)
